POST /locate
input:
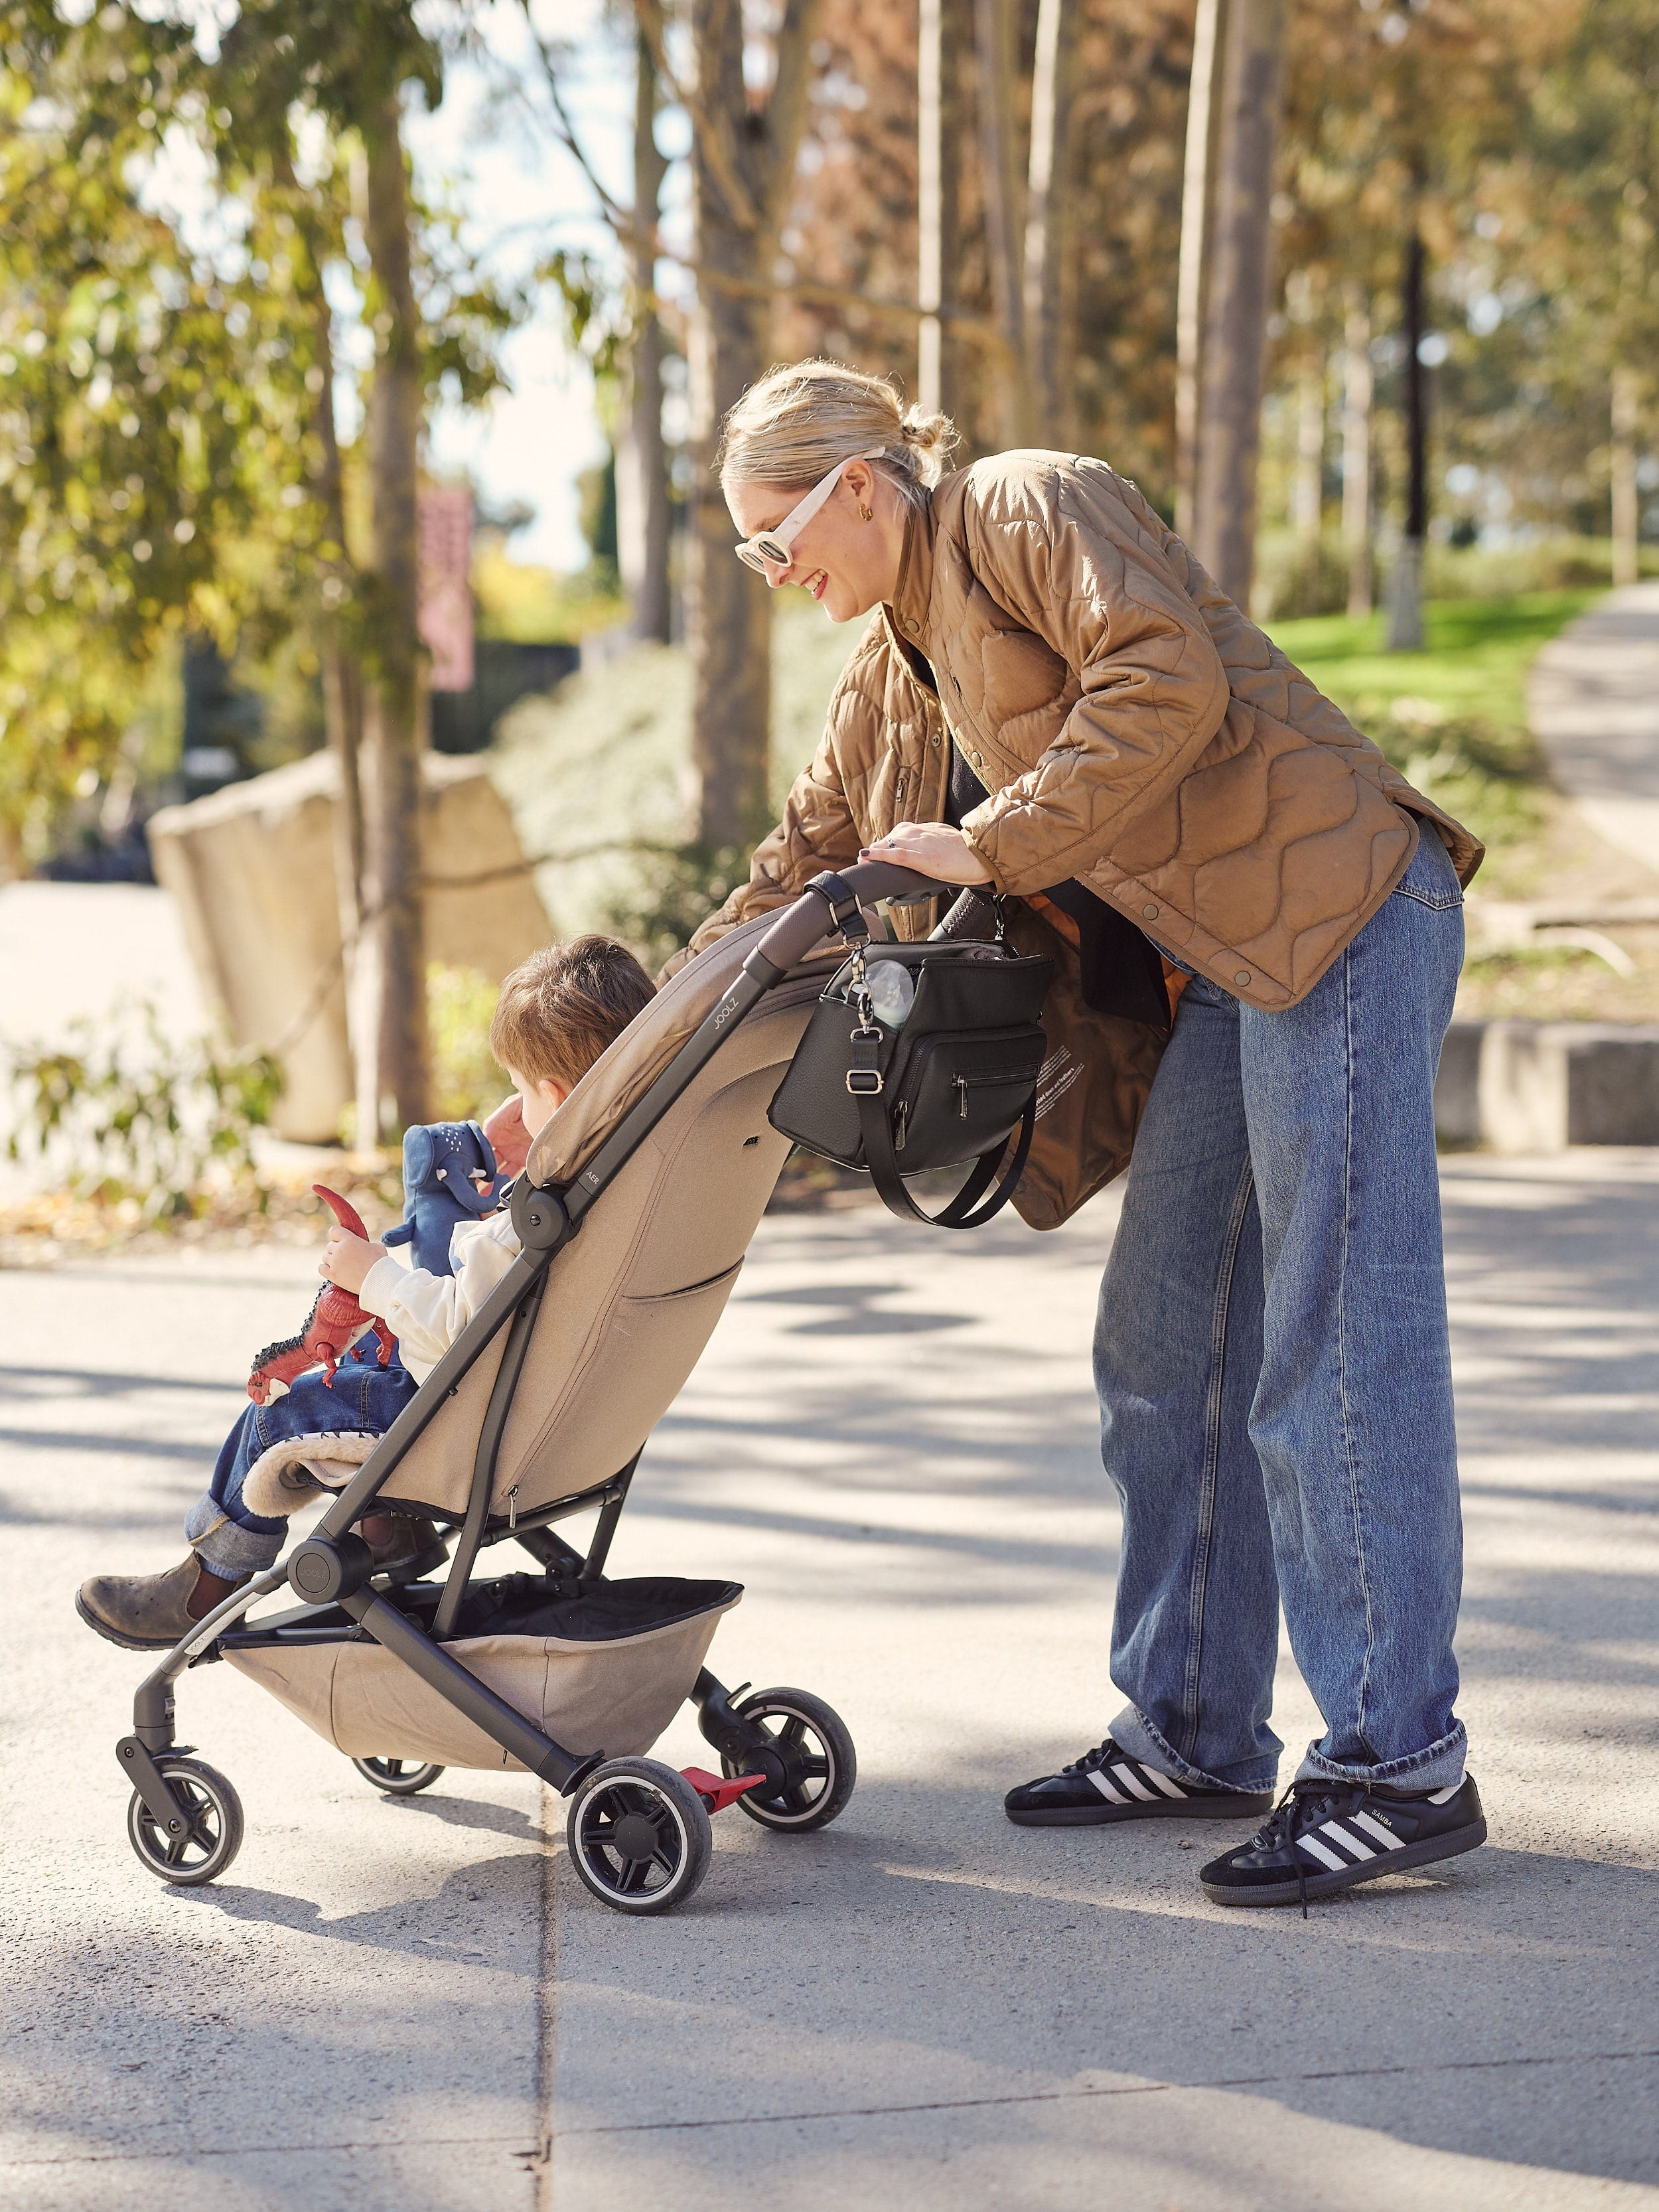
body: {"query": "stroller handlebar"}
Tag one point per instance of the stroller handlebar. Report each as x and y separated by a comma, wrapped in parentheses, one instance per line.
(801, 925)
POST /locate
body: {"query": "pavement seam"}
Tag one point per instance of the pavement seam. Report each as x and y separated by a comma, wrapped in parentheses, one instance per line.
(267, 2150)
(1129, 2090)
(547, 1986)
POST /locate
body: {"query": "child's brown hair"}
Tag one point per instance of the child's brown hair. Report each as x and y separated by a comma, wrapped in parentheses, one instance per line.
(559, 1009)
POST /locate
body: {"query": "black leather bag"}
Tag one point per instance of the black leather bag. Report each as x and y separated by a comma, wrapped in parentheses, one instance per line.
(950, 1076)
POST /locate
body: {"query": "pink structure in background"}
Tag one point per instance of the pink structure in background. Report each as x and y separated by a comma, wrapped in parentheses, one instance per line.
(445, 564)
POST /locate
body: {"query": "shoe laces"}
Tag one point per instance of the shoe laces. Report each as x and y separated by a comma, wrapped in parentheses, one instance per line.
(1304, 1806)
(1091, 1759)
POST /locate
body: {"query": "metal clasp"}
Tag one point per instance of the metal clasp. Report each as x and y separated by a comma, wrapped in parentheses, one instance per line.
(865, 1082)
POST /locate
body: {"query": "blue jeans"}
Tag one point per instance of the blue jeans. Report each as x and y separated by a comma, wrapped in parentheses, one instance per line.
(1274, 1375)
(364, 1399)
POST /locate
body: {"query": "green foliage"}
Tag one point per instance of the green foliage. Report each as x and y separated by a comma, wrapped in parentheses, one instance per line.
(134, 1115)
(467, 1084)
(673, 895)
(164, 403)
(517, 599)
(601, 772)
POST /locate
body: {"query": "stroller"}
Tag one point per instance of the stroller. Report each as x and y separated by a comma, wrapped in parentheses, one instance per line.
(539, 1412)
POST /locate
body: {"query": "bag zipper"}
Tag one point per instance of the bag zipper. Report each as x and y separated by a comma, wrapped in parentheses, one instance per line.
(962, 1084)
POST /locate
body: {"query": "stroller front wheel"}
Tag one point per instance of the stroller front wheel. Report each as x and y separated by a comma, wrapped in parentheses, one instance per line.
(398, 1778)
(211, 1840)
(638, 1836)
(811, 1742)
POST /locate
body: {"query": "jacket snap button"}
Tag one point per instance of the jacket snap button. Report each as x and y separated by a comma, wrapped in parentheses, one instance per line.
(978, 763)
(910, 624)
(1151, 913)
(1243, 976)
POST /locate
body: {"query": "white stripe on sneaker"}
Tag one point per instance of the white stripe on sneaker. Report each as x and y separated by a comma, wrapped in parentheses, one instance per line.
(1126, 1774)
(1112, 1796)
(1322, 1852)
(1346, 1837)
(1166, 1783)
(1375, 1828)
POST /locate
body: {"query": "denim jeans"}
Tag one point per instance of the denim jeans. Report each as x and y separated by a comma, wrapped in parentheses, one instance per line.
(1274, 1377)
(364, 1399)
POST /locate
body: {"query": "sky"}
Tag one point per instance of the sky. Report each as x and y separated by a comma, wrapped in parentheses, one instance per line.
(497, 157)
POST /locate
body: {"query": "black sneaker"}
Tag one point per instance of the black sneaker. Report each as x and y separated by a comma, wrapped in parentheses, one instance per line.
(1106, 1784)
(1326, 1836)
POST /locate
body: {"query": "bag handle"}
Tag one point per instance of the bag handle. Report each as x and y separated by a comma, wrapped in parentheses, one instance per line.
(865, 1081)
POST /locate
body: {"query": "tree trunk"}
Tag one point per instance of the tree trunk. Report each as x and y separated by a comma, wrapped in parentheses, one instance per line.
(997, 38)
(1625, 420)
(1048, 329)
(1236, 315)
(743, 168)
(391, 982)
(642, 459)
(938, 164)
(343, 704)
(1308, 489)
(1357, 388)
(342, 675)
(1197, 239)
(1406, 589)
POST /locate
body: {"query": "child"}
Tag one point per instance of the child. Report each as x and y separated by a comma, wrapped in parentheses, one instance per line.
(557, 1013)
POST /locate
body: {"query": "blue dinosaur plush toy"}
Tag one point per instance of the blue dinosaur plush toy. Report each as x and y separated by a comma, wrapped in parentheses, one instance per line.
(440, 1160)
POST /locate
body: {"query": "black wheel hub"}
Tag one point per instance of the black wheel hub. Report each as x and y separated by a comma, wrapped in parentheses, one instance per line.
(637, 1836)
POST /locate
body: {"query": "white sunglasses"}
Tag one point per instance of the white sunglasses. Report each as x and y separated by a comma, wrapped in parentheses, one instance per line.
(770, 549)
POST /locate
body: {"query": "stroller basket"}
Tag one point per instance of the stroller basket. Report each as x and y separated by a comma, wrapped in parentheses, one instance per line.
(605, 1671)
(662, 1159)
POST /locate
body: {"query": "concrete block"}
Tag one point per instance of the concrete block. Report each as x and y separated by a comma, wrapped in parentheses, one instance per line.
(252, 870)
(1457, 1085)
(1543, 1085)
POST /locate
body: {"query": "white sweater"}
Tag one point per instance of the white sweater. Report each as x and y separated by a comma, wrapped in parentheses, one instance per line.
(427, 1313)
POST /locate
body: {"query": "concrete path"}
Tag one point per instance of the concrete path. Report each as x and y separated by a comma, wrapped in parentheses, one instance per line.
(891, 1443)
(1593, 703)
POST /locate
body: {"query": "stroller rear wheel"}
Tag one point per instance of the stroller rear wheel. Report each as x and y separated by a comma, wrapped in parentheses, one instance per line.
(638, 1836)
(398, 1777)
(810, 1739)
(215, 1833)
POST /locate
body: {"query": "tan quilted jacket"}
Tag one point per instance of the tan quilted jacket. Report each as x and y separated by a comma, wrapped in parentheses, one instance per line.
(1135, 732)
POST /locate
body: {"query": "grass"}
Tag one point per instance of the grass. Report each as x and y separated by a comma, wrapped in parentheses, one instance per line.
(1479, 652)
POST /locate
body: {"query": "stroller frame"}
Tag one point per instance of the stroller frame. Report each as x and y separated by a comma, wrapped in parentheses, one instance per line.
(332, 1567)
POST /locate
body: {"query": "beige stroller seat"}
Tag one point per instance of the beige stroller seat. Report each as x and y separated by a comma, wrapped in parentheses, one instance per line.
(634, 1213)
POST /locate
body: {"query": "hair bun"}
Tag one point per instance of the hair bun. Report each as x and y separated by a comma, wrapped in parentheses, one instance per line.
(931, 437)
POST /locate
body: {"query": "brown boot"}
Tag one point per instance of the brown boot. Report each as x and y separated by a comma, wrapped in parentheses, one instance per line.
(403, 1546)
(152, 1612)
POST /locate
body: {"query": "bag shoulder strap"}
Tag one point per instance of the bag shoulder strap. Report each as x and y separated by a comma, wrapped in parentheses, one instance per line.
(965, 1210)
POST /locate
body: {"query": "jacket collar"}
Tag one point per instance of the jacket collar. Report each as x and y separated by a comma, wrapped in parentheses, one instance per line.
(913, 592)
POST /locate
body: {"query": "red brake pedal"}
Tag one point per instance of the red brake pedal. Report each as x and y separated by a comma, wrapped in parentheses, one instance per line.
(716, 1790)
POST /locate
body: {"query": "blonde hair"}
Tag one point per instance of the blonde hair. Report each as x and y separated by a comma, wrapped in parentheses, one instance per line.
(795, 424)
(559, 1009)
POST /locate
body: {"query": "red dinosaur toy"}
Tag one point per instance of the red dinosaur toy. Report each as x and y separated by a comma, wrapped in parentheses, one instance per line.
(333, 1324)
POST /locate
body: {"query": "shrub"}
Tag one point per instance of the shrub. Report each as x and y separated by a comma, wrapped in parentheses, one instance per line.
(131, 1114)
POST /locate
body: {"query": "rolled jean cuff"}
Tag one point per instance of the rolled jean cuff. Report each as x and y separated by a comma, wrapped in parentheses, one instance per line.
(1438, 1768)
(1133, 1732)
(228, 1548)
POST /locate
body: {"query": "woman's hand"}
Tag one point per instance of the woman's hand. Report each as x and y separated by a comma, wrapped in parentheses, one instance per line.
(931, 848)
(347, 1260)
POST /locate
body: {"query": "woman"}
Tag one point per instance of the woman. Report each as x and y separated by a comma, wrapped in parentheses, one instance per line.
(1054, 700)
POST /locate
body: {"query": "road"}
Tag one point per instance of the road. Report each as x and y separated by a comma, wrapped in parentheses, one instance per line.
(891, 1443)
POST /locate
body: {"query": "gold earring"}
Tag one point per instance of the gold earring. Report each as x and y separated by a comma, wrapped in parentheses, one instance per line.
(865, 514)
